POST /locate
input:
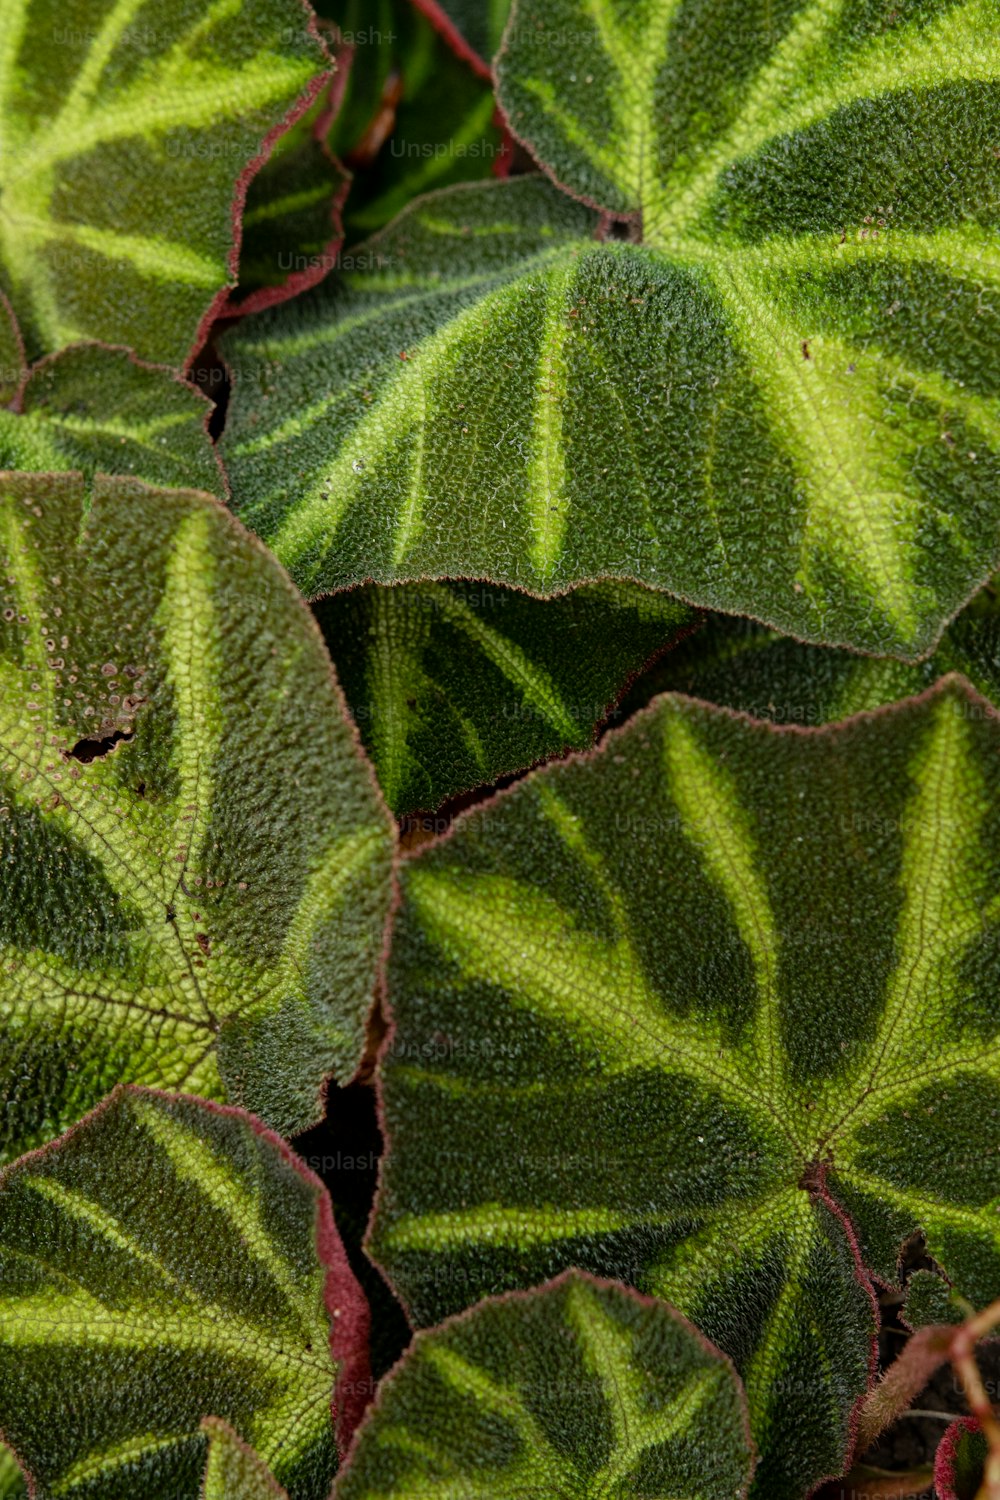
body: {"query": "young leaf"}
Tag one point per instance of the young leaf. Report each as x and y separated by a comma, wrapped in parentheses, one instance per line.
(165, 1261)
(781, 404)
(457, 684)
(101, 410)
(579, 1388)
(196, 859)
(711, 1011)
(960, 1461)
(743, 665)
(233, 1470)
(128, 135)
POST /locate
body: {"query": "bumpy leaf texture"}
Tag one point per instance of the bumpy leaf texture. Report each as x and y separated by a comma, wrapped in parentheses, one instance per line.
(577, 1388)
(712, 1011)
(100, 410)
(457, 684)
(128, 129)
(196, 857)
(163, 1262)
(233, 1471)
(742, 665)
(781, 403)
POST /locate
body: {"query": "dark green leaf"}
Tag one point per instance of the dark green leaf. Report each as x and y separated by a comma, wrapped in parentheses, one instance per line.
(578, 1388)
(712, 1011)
(165, 1261)
(782, 403)
(456, 684)
(128, 129)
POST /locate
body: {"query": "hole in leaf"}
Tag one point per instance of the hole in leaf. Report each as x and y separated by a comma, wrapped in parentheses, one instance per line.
(88, 750)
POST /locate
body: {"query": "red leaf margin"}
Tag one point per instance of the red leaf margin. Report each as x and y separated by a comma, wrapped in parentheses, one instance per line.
(512, 1297)
(346, 1304)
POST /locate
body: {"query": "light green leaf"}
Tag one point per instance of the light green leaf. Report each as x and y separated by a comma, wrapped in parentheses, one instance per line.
(167, 1261)
(128, 129)
(576, 1388)
(781, 403)
(457, 684)
(12, 1485)
(712, 1011)
(197, 860)
(233, 1470)
(101, 410)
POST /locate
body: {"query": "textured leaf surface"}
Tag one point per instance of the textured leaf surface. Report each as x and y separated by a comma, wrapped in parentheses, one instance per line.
(12, 363)
(742, 665)
(781, 404)
(12, 1485)
(578, 1388)
(712, 1011)
(127, 130)
(457, 684)
(164, 1262)
(99, 410)
(233, 1471)
(196, 857)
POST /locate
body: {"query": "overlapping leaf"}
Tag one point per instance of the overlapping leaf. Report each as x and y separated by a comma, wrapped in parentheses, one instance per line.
(781, 403)
(196, 859)
(99, 410)
(127, 131)
(577, 1388)
(472, 27)
(453, 684)
(164, 1262)
(713, 1012)
(742, 665)
(12, 1486)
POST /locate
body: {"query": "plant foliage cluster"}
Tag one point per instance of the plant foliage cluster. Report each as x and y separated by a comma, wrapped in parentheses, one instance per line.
(498, 669)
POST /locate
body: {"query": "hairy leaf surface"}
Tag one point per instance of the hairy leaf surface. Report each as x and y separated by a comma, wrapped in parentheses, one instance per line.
(166, 1261)
(712, 1011)
(457, 684)
(742, 665)
(127, 131)
(233, 1471)
(782, 403)
(100, 410)
(196, 858)
(577, 1388)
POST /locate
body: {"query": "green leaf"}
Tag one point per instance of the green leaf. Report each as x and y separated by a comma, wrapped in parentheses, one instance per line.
(196, 859)
(12, 1486)
(430, 122)
(12, 361)
(742, 665)
(960, 1461)
(782, 403)
(291, 223)
(473, 27)
(712, 1011)
(100, 410)
(128, 130)
(166, 1261)
(576, 1388)
(233, 1470)
(457, 684)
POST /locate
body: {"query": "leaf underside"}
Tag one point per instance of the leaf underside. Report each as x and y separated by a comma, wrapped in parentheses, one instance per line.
(456, 684)
(711, 1011)
(158, 1265)
(197, 862)
(782, 403)
(578, 1388)
(126, 130)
